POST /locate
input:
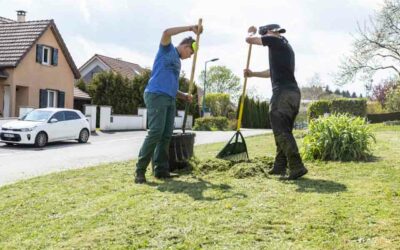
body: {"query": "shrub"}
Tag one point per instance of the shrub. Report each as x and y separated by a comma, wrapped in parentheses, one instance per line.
(393, 100)
(352, 106)
(211, 123)
(375, 108)
(218, 103)
(338, 137)
(378, 118)
(317, 109)
(255, 114)
(80, 84)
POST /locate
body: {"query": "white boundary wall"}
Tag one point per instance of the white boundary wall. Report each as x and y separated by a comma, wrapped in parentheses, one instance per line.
(110, 122)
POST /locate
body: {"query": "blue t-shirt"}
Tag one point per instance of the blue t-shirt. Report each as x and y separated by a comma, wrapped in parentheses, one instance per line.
(165, 73)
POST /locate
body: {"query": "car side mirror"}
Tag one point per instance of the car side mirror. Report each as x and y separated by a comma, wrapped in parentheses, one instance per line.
(53, 120)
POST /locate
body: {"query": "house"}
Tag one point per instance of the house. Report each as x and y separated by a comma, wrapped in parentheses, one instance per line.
(36, 68)
(99, 63)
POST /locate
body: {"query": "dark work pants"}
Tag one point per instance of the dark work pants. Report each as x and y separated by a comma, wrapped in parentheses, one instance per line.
(284, 108)
(161, 115)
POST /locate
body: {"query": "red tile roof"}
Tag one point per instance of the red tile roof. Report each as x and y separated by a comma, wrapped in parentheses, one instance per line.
(125, 68)
(17, 38)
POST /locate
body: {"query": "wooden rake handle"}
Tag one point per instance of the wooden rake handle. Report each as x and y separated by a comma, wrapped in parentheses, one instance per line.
(239, 122)
(191, 80)
(195, 58)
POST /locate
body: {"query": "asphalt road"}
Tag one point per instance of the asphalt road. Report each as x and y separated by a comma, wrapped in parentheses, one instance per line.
(22, 162)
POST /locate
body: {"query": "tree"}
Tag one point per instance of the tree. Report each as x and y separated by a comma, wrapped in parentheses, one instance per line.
(354, 95)
(337, 92)
(80, 84)
(219, 104)
(380, 92)
(376, 46)
(393, 101)
(108, 88)
(220, 79)
(313, 90)
(327, 90)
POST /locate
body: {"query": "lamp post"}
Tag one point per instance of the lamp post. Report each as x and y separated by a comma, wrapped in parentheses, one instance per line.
(205, 81)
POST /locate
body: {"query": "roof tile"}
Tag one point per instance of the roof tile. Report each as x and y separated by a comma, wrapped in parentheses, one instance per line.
(127, 69)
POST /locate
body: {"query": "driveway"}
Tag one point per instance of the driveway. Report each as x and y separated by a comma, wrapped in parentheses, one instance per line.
(22, 162)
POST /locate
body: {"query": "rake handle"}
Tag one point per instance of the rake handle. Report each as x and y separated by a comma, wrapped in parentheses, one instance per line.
(192, 75)
(239, 124)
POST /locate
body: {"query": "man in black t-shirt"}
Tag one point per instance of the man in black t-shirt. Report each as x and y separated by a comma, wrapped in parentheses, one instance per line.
(285, 101)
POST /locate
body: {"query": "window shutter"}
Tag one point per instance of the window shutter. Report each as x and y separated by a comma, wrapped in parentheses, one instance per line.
(54, 57)
(43, 98)
(39, 53)
(61, 99)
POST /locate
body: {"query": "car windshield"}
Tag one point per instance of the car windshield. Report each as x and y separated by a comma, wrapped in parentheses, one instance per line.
(37, 116)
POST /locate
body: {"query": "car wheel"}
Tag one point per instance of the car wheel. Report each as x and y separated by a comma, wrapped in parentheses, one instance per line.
(83, 136)
(41, 140)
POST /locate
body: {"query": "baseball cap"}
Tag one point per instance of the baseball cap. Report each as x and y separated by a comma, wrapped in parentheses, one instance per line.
(262, 30)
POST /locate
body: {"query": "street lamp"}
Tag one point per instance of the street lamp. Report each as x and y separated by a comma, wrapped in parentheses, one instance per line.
(205, 81)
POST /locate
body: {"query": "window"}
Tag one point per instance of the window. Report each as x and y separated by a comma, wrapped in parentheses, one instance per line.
(51, 99)
(60, 116)
(46, 57)
(71, 115)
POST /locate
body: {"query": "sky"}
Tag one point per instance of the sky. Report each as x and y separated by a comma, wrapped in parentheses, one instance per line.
(320, 31)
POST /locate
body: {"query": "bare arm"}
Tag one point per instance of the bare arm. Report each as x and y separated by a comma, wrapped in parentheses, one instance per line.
(168, 33)
(254, 40)
(184, 96)
(261, 74)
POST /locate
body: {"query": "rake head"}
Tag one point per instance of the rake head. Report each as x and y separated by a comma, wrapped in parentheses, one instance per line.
(235, 149)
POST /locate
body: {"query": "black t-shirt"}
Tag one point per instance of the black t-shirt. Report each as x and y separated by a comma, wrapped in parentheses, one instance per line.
(281, 63)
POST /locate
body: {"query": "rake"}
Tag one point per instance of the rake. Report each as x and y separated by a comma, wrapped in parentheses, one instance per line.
(191, 85)
(236, 149)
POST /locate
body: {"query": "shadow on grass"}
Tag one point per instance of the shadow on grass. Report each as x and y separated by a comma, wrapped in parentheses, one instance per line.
(196, 189)
(319, 186)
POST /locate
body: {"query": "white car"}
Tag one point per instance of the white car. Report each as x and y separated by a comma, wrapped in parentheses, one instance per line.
(41, 126)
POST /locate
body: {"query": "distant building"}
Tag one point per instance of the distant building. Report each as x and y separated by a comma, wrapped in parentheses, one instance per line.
(99, 63)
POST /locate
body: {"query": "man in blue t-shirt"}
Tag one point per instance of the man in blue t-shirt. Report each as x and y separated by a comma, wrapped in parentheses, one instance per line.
(285, 101)
(160, 99)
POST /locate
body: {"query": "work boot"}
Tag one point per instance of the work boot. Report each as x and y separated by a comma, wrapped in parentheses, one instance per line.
(162, 175)
(280, 164)
(277, 171)
(297, 173)
(140, 178)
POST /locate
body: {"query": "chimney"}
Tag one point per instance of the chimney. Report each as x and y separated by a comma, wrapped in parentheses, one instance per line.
(21, 15)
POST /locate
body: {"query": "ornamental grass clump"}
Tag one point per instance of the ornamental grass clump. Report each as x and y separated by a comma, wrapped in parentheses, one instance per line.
(338, 137)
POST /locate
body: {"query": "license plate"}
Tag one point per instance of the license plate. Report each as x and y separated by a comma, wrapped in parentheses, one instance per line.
(8, 135)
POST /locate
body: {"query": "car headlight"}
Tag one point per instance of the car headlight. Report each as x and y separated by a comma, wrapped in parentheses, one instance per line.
(27, 129)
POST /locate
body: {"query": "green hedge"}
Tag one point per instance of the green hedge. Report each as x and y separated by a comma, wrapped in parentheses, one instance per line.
(353, 107)
(379, 118)
(318, 108)
(211, 123)
(255, 114)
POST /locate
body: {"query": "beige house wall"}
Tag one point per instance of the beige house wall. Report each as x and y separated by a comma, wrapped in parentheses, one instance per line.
(37, 76)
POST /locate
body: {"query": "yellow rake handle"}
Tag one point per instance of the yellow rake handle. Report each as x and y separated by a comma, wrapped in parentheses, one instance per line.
(191, 80)
(239, 123)
(195, 58)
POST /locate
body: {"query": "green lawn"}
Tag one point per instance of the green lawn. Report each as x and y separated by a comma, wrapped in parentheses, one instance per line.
(337, 206)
